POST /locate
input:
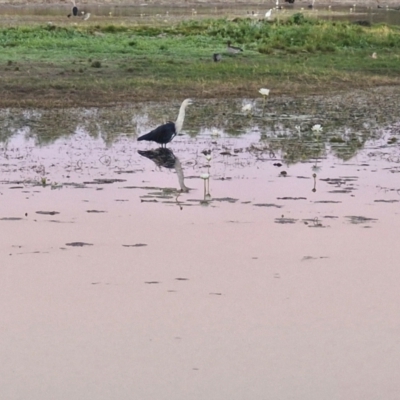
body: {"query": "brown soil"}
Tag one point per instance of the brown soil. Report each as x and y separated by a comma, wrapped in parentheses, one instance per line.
(55, 98)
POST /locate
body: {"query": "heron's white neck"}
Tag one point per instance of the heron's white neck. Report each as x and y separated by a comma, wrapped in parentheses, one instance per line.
(181, 117)
(179, 172)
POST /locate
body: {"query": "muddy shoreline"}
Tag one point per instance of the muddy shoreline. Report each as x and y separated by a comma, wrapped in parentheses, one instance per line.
(47, 99)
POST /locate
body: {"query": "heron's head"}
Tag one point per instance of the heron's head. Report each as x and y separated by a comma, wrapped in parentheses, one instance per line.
(187, 102)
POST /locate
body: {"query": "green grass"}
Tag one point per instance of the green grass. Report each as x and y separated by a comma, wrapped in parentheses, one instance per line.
(293, 56)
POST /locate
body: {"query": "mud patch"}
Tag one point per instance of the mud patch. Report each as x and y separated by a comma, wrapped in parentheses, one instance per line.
(267, 205)
(284, 220)
(78, 244)
(354, 219)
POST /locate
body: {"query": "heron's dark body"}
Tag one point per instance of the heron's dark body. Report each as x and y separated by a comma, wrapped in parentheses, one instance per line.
(162, 135)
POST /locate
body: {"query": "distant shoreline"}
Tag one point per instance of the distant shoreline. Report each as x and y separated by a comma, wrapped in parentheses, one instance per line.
(191, 3)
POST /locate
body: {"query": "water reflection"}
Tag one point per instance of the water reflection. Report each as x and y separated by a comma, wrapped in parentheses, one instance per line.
(205, 176)
(266, 237)
(164, 157)
(207, 196)
(283, 134)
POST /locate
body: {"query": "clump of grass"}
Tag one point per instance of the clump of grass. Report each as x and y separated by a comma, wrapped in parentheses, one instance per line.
(265, 49)
(293, 35)
(324, 47)
(113, 29)
(336, 139)
(298, 19)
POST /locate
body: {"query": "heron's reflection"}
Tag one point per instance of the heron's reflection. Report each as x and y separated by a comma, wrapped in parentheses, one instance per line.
(164, 157)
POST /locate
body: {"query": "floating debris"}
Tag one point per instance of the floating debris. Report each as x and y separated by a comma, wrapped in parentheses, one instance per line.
(227, 199)
(354, 219)
(291, 198)
(103, 181)
(267, 205)
(307, 258)
(285, 220)
(327, 201)
(78, 244)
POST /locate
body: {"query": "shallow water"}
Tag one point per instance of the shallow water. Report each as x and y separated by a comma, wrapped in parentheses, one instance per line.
(253, 283)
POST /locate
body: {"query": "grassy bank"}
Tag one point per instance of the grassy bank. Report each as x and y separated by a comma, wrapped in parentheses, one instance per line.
(100, 64)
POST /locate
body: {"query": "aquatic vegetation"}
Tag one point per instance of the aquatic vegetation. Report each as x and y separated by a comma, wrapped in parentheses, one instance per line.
(247, 108)
(317, 128)
(264, 92)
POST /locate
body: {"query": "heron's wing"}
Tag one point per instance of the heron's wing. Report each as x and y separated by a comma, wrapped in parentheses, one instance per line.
(162, 134)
